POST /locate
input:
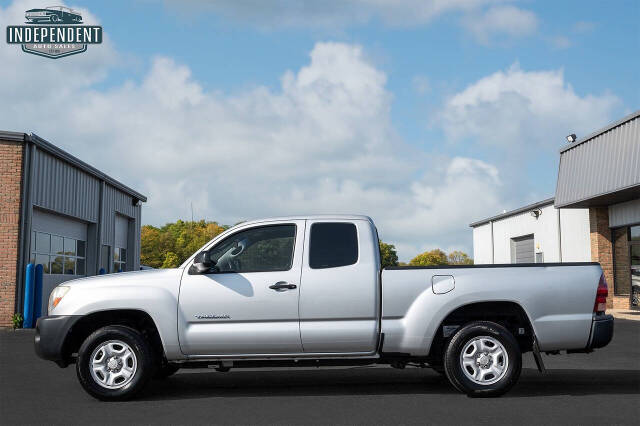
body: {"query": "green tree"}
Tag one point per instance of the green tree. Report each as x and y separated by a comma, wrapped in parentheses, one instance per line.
(171, 260)
(428, 258)
(388, 255)
(170, 245)
(459, 258)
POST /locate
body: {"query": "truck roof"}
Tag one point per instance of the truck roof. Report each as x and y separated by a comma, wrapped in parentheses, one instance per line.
(282, 218)
(311, 217)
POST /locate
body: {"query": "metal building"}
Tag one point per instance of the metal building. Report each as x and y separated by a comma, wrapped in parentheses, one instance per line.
(535, 233)
(602, 173)
(603, 168)
(595, 215)
(58, 211)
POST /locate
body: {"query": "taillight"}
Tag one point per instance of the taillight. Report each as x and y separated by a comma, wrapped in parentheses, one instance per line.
(601, 296)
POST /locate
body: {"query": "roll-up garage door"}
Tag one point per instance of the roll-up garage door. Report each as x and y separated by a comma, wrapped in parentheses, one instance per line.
(59, 244)
(522, 249)
(120, 250)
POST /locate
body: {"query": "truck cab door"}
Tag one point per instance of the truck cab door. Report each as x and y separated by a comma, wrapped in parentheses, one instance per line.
(248, 304)
(340, 292)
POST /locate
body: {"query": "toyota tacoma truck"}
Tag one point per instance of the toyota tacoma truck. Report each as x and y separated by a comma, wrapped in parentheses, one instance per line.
(310, 291)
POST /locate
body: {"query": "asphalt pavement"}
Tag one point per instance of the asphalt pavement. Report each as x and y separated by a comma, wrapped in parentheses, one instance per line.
(598, 388)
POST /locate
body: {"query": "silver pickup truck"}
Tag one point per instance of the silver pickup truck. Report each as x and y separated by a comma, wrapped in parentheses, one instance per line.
(309, 291)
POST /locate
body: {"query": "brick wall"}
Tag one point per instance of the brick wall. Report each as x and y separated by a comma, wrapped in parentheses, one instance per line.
(10, 185)
(622, 265)
(601, 247)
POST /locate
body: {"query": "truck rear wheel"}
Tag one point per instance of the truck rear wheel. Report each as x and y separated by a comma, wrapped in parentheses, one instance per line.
(483, 359)
(114, 363)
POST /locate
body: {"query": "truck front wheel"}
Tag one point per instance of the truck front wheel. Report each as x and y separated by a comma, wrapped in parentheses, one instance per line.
(483, 359)
(114, 363)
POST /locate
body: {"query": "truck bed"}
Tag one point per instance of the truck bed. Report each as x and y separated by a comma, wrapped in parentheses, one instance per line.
(558, 299)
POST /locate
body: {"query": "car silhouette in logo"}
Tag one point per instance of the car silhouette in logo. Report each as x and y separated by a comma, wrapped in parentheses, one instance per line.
(53, 15)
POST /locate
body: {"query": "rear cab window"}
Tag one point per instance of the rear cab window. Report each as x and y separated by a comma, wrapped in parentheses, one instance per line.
(333, 244)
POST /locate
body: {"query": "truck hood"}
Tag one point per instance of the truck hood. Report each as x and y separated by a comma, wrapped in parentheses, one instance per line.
(146, 277)
(147, 290)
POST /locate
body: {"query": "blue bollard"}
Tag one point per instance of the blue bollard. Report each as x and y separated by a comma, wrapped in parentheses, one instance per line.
(29, 284)
(101, 271)
(38, 293)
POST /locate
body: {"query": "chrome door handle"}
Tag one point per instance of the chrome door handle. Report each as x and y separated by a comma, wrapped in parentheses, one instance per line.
(282, 285)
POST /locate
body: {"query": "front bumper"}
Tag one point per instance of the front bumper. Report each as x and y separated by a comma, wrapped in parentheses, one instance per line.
(51, 334)
(601, 331)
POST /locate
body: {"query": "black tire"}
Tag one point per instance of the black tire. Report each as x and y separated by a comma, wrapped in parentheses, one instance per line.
(467, 334)
(166, 370)
(145, 365)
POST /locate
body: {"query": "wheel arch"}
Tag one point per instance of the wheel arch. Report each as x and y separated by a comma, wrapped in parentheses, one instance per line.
(137, 319)
(509, 314)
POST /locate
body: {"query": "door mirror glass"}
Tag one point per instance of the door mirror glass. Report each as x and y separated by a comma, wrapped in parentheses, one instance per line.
(202, 263)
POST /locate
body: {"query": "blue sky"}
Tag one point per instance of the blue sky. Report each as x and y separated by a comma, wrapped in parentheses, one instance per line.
(413, 107)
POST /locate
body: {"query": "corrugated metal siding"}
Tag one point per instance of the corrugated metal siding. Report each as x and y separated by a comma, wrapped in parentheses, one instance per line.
(116, 202)
(60, 187)
(608, 162)
(624, 214)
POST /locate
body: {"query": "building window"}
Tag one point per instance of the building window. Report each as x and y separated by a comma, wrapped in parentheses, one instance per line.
(119, 259)
(57, 254)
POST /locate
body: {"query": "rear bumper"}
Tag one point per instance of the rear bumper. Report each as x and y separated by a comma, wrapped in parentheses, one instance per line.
(601, 331)
(51, 333)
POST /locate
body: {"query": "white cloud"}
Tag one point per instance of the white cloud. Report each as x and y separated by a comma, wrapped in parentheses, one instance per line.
(322, 142)
(326, 14)
(500, 23)
(529, 109)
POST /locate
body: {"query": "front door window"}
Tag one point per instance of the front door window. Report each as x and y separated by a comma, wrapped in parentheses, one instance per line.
(265, 249)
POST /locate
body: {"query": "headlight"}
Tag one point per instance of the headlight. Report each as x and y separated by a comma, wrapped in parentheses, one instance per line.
(56, 296)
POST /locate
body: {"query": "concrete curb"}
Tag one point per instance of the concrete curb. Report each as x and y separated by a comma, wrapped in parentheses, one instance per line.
(627, 314)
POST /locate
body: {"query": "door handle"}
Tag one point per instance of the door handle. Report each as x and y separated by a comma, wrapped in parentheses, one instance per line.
(282, 285)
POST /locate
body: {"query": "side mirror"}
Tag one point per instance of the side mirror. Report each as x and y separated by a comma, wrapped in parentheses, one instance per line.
(202, 263)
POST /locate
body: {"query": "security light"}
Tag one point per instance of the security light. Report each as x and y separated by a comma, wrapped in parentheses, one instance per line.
(571, 138)
(536, 213)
